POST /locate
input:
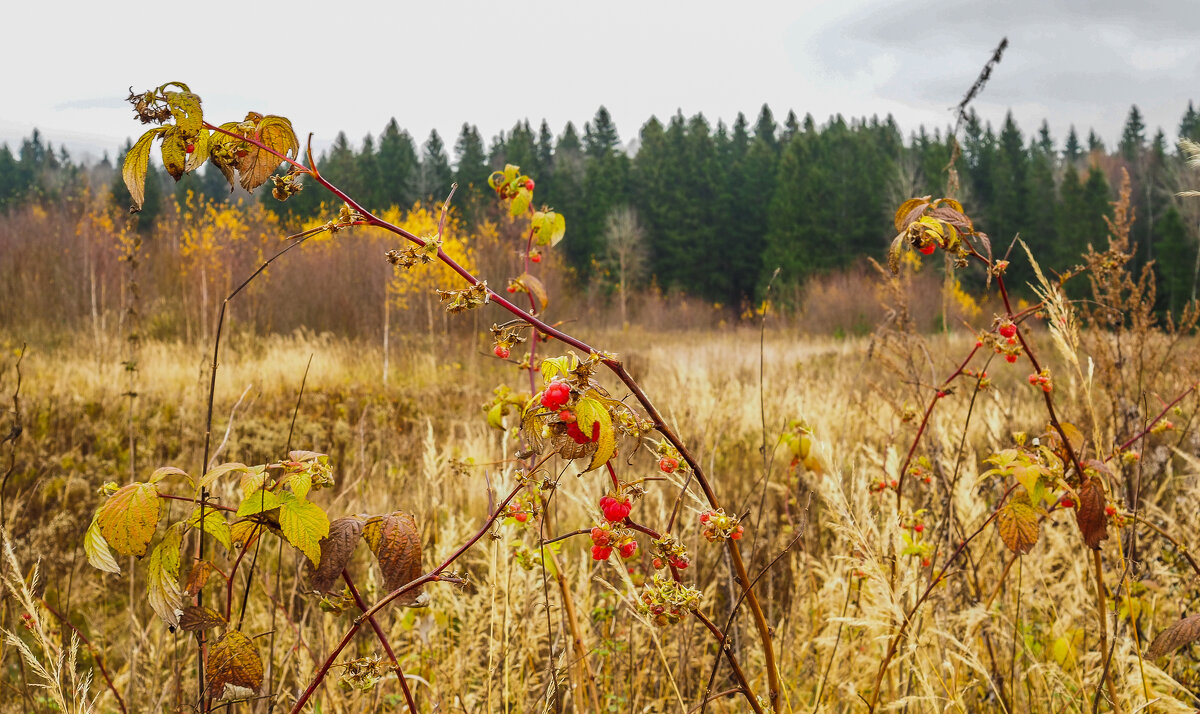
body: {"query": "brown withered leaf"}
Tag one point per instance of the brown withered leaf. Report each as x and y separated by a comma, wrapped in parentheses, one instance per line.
(336, 549)
(234, 660)
(396, 543)
(1017, 523)
(1184, 632)
(197, 577)
(955, 218)
(910, 211)
(535, 288)
(195, 619)
(894, 253)
(1090, 515)
(257, 165)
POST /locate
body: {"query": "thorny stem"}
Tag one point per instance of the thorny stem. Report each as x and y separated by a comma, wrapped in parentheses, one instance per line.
(738, 674)
(431, 576)
(615, 365)
(383, 640)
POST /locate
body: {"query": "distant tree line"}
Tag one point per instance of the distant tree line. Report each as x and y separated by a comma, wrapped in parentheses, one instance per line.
(719, 208)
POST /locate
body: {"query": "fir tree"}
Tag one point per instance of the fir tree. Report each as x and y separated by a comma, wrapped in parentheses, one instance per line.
(436, 175)
(398, 167)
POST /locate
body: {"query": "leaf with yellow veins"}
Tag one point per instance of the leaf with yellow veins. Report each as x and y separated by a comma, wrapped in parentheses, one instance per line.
(233, 660)
(137, 163)
(304, 524)
(257, 165)
(1018, 526)
(129, 517)
(97, 550)
(594, 420)
(214, 524)
(162, 578)
(260, 501)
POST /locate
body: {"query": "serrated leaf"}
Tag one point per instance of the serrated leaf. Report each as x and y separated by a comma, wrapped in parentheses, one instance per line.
(1184, 632)
(198, 577)
(162, 578)
(137, 163)
(174, 153)
(590, 412)
(304, 524)
(1017, 523)
(557, 366)
(908, 212)
(1090, 515)
(535, 288)
(129, 517)
(336, 549)
(257, 165)
(214, 524)
(234, 660)
(97, 550)
(244, 533)
(199, 153)
(185, 107)
(195, 619)
(301, 483)
(260, 501)
(220, 470)
(396, 543)
(253, 479)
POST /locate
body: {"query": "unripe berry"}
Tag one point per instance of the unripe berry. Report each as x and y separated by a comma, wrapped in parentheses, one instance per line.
(737, 533)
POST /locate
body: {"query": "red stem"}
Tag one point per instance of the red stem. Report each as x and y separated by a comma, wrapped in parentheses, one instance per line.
(383, 640)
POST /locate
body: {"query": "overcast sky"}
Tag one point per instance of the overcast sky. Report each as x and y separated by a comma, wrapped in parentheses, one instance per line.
(351, 65)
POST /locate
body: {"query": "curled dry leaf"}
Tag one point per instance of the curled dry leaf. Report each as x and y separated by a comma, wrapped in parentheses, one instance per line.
(233, 660)
(195, 619)
(1184, 632)
(1090, 515)
(336, 549)
(396, 542)
(197, 577)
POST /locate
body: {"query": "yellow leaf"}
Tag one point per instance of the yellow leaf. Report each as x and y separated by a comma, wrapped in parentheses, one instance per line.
(162, 578)
(185, 107)
(97, 550)
(535, 288)
(304, 524)
(174, 152)
(137, 163)
(257, 165)
(129, 517)
(589, 413)
(214, 525)
(903, 217)
(217, 472)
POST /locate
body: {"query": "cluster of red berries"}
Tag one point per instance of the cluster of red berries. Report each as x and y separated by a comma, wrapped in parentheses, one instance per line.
(514, 511)
(718, 526)
(615, 510)
(577, 434)
(881, 486)
(1042, 379)
(671, 551)
(668, 464)
(556, 395)
(676, 561)
(1008, 331)
(605, 538)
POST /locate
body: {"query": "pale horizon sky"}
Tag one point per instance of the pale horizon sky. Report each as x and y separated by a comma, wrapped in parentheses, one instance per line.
(351, 66)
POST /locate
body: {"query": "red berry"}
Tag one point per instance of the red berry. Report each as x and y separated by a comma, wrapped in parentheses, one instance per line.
(737, 533)
(893, 483)
(926, 480)
(920, 527)
(1010, 358)
(928, 248)
(924, 562)
(616, 510)
(705, 516)
(1008, 330)
(576, 433)
(599, 537)
(529, 184)
(657, 563)
(556, 395)
(535, 257)
(1067, 502)
(679, 562)
(501, 351)
(601, 552)
(521, 517)
(628, 549)
(511, 288)
(1110, 510)
(190, 148)
(566, 415)
(668, 464)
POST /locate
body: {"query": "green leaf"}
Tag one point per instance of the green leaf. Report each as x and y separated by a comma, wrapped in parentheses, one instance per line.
(260, 501)
(214, 524)
(304, 524)
(495, 416)
(301, 483)
(520, 202)
(591, 411)
(97, 550)
(174, 153)
(558, 366)
(129, 517)
(137, 163)
(162, 578)
(549, 228)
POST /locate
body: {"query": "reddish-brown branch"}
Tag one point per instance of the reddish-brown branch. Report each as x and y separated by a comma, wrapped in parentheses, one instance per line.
(383, 640)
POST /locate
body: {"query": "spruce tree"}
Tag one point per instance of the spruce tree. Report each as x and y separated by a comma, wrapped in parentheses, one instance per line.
(436, 175)
(1072, 150)
(398, 167)
(471, 173)
(1133, 136)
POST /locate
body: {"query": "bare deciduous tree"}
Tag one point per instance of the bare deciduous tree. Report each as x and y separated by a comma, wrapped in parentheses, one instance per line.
(625, 253)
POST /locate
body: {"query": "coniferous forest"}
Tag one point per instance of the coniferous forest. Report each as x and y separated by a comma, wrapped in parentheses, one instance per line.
(802, 195)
